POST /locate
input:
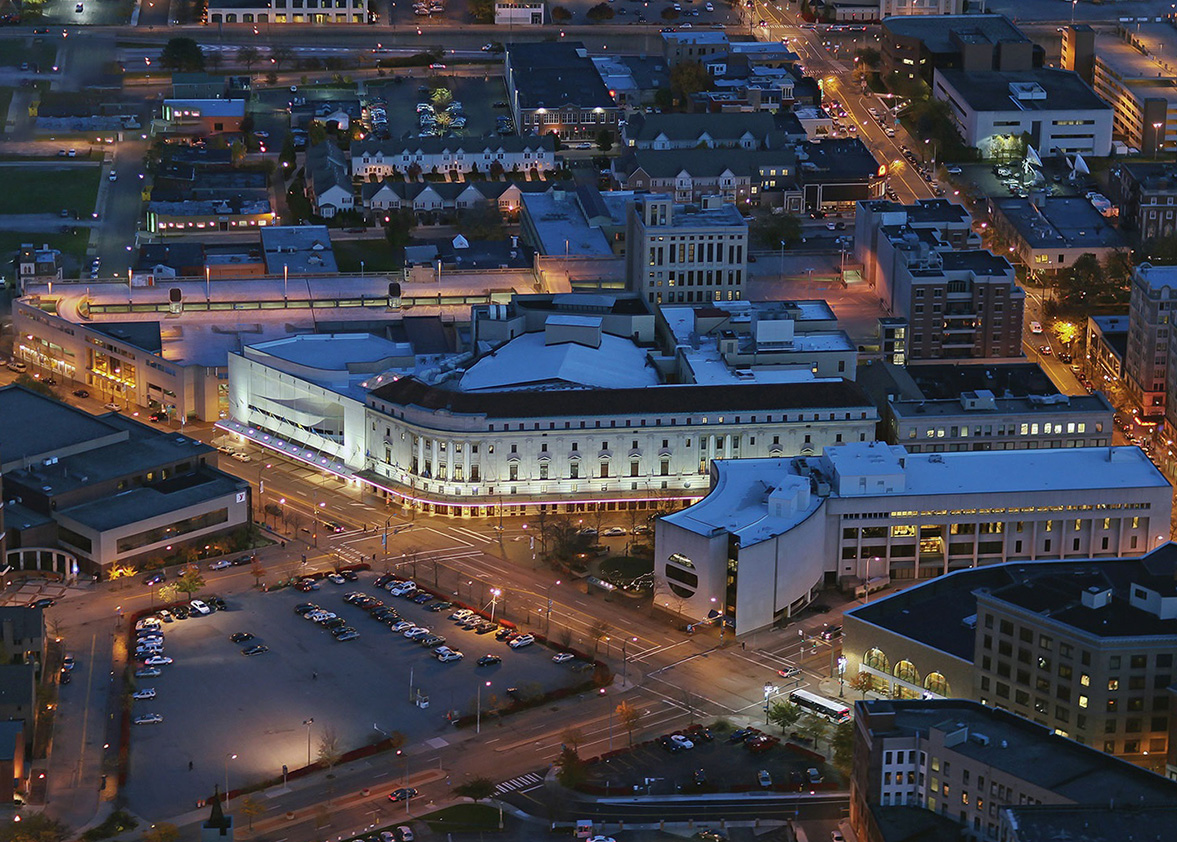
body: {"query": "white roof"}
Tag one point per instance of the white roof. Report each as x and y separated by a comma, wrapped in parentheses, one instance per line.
(527, 362)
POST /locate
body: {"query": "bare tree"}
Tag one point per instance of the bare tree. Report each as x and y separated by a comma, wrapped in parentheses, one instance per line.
(410, 557)
(572, 737)
(329, 751)
(629, 716)
(598, 631)
(564, 636)
(248, 55)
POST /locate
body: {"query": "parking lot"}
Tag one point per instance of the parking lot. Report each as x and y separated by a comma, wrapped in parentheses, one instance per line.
(246, 716)
(726, 767)
(476, 95)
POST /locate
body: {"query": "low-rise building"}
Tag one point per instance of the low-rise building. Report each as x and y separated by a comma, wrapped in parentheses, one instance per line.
(1107, 345)
(914, 46)
(554, 88)
(679, 46)
(37, 265)
(519, 14)
(117, 490)
(1050, 233)
(1145, 192)
(863, 514)
(997, 110)
(230, 213)
(996, 406)
(582, 223)
(298, 250)
(426, 198)
(692, 131)
(1146, 362)
(287, 11)
(981, 769)
(205, 116)
(329, 185)
(679, 254)
(920, 7)
(1082, 647)
(836, 173)
(526, 155)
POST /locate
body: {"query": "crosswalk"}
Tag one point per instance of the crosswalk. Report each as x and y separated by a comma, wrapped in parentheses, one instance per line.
(523, 782)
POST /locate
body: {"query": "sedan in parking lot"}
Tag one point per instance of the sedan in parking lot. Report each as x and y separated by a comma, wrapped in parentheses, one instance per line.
(614, 530)
(158, 661)
(148, 719)
(148, 672)
(220, 564)
(521, 641)
(198, 607)
(240, 637)
(255, 650)
(489, 660)
(562, 657)
(452, 655)
(145, 693)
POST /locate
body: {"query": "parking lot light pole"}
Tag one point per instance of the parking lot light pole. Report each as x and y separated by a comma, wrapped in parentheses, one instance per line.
(841, 676)
(308, 723)
(548, 625)
(228, 757)
(495, 593)
(768, 688)
(478, 711)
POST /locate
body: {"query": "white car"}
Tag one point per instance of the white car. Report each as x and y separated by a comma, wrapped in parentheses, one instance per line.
(401, 626)
(148, 623)
(1035, 327)
(148, 719)
(405, 833)
(198, 607)
(158, 661)
(335, 578)
(614, 530)
(954, 170)
(403, 589)
(451, 655)
(681, 741)
(145, 693)
(242, 457)
(461, 614)
(220, 564)
(562, 657)
(521, 641)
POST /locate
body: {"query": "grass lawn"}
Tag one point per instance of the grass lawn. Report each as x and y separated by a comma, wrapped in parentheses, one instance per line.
(376, 254)
(463, 817)
(48, 189)
(41, 51)
(71, 245)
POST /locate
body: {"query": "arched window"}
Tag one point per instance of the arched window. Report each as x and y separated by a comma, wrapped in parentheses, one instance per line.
(906, 671)
(936, 683)
(875, 659)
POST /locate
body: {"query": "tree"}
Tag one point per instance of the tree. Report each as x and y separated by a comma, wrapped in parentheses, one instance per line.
(689, 77)
(598, 631)
(329, 750)
(863, 682)
(604, 140)
(280, 56)
(629, 716)
(182, 54)
(572, 771)
(251, 807)
(168, 594)
(398, 230)
(768, 229)
(815, 728)
(248, 55)
(476, 789)
(33, 827)
(843, 744)
(190, 580)
(441, 98)
(257, 571)
(784, 714)
(484, 221)
(496, 170)
(34, 385)
(572, 736)
(410, 557)
(561, 14)
(869, 56)
(161, 832)
(483, 11)
(601, 11)
(1082, 283)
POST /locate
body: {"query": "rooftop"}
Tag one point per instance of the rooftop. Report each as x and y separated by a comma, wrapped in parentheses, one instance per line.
(836, 159)
(299, 249)
(697, 216)
(995, 90)
(940, 613)
(937, 31)
(1091, 823)
(559, 221)
(27, 623)
(148, 501)
(1150, 68)
(924, 211)
(1157, 278)
(719, 127)
(1024, 750)
(1058, 222)
(556, 74)
(59, 428)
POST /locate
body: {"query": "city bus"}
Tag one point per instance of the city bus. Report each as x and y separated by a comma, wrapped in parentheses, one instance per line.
(833, 711)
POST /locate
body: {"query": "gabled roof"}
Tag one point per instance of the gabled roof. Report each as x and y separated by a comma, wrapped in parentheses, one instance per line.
(453, 145)
(720, 127)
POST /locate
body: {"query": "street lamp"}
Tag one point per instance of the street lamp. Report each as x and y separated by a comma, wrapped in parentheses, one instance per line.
(768, 691)
(495, 593)
(228, 757)
(548, 625)
(625, 658)
(841, 676)
(308, 723)
(478, 712)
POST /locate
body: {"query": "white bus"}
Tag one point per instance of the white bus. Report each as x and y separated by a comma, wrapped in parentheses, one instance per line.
(833, 711)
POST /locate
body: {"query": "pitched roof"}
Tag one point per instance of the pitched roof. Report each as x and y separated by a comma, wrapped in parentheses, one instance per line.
(453, 145)
(718, 126)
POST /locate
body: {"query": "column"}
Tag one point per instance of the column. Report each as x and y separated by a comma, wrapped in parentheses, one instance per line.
(433, 458)
(420, 454)
(466, 461)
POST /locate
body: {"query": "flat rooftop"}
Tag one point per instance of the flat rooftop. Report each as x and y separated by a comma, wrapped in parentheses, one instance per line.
(1059, 222)
(144, 502)
(561, 227)
(1025, 407)
(1158, 277)
(1092, 823)
(990, 90)
(1137, 69)
(334, 351)
(1030, 752)
(936, 31)
(34, 427)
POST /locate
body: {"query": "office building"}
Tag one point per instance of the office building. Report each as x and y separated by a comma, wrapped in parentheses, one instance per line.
(106, 490)
(915, 46)
(997, 112)
(679, 254)
(1146, 362)
(1107, 344)
(959, 762)
(771, 533)
(1049, 233)
(959, 300)
(887, 8)
(996, 406)
(1145, 192)
(1084, 648)
(554, 88)
(287, 11)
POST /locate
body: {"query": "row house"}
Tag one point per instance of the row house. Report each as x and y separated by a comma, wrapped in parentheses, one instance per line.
(375, 159)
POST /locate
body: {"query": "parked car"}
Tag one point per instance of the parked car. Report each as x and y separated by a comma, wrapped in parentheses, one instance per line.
(562, 657)
(614, 530)
(148, 672)
(681, 741)
(240, 637)
(258, 649)
(148, 719)
(144, 693)
(199, 607)
(488, 660)
(158, 661)
(763, 778)
(521, 641)
(452, 655)
(220, 564)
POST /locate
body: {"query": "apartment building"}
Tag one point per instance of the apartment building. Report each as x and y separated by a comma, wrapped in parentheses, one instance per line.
(553, 88)
(679, 254)
(287, 11)
(950, 769)
(491, 155)
(1082, 647)
(959, 300)
(1146, 192)
(864, 514)
(1146, 361)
